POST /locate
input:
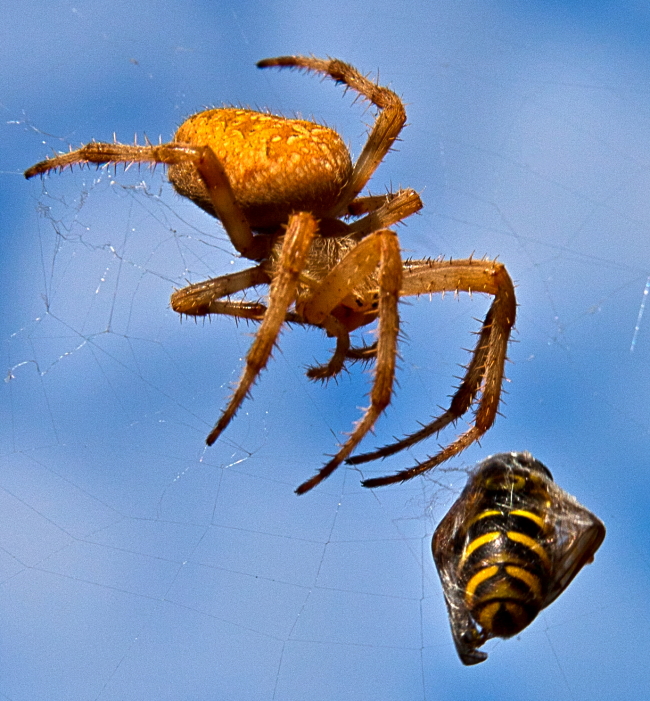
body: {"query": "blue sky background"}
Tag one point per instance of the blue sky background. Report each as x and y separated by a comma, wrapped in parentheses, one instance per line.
(134, 564)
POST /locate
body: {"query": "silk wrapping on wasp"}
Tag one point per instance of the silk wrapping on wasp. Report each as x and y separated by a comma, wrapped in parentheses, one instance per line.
(507, 548)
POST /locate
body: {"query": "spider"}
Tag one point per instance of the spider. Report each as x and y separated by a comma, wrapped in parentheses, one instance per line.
(288, 196)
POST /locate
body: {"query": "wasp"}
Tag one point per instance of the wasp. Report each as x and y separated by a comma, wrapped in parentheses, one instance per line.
(507, 548)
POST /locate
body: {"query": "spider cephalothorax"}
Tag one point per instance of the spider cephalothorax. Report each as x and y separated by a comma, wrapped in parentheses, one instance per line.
(282, 189)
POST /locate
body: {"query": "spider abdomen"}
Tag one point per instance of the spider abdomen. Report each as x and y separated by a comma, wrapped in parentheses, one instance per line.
(275, 165)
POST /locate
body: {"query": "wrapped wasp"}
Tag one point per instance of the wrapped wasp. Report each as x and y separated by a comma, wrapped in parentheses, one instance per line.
(509, 546)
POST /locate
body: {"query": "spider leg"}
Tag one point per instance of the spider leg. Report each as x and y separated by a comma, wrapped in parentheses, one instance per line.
(385, 130)
(485, 371)
(300, 231)
(391, 210)
(381, 247)
(363, 353)
(207, 165)
(370, 203)
(460, 402)
(359, 263)
(203, 298)
(336, 329)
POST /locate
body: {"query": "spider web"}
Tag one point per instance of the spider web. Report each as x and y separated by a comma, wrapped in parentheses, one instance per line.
(134, 563)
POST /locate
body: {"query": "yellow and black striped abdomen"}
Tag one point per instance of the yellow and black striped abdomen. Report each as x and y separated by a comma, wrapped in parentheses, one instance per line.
(508, 547)
(504, 570)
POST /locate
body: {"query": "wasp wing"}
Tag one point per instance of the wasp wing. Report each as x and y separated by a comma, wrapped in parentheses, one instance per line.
(445, 545)
(578, 533)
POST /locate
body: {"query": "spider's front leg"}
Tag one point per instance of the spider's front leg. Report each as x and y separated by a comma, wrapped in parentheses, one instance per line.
(380, 249)
(295, 246)
(484, 374)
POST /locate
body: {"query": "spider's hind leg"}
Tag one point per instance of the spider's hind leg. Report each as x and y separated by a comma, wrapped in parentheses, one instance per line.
(173, 154)
(387, 126)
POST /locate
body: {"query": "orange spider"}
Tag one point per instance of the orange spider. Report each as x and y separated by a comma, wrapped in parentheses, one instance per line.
(281, 188)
